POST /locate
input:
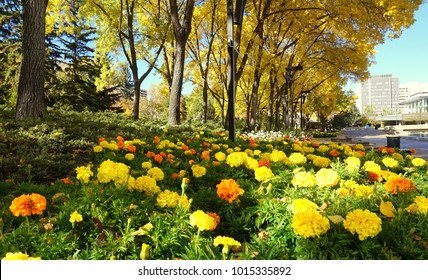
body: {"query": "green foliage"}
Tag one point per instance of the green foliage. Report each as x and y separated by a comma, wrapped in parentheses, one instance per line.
(118, 220)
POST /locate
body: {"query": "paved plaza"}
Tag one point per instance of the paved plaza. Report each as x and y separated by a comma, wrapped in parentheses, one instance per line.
(379, 138)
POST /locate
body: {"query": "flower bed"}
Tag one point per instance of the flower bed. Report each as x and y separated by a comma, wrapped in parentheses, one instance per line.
(204, 197)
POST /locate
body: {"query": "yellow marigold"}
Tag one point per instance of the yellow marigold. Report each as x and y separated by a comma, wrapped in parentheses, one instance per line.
(323, 148)
(171, 199)
(28, 204)
(397, 156)
(229, 190)
(390, 162)
(201, 220)
(371, 166)
(198, 171)
(327, 178)
(19, 257)
(251, 163)
(129, 156)
(277, 156)
(363, 222)
(397, 185)
(362, 190)
(263, 174)
(228, 243)
(419, 162)
(236, 159)
(302, 205)
(419, 205)
(304, 179)
(84, 173)
(104, 144)
(359, 147)
(146, 165)
(110, 171)
(310, 224)
(98, 149)
(156, 173)
(308, 150)
(322, 162)
(220, 156)
(352, 164)
(75, 217)
(297, 158)
(147, 185)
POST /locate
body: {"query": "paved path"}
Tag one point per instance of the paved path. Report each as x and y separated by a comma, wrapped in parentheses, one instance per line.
(378, 138)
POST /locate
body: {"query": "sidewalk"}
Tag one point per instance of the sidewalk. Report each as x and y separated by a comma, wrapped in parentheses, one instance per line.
(378, 138)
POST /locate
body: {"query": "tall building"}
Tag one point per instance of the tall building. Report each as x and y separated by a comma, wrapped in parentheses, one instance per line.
(379, 95)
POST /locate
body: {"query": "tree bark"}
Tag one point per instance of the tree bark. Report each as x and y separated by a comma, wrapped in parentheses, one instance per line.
(181, 34)
(31, 101)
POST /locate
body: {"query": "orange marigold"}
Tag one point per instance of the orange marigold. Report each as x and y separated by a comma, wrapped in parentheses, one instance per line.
(216, 219)
(28, 204)
(158, 158)
(163, 154)
(397, 185)
(412, 151)
(101, 139)
(205, 155)
(156, 139)
(229, 190)
(264, 163)
(120, 138)
(132, 148)
(67, 181)
(374, 177)
(120, 144)
(184, 147)
(361, 153)
(334, 153)
(150, 154)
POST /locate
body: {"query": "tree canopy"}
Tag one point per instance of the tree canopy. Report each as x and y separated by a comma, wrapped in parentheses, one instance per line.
(286, 50)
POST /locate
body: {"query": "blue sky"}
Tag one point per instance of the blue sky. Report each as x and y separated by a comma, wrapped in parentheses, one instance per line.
(407, 56)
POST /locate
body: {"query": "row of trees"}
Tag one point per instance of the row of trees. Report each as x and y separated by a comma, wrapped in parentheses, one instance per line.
(287, 52)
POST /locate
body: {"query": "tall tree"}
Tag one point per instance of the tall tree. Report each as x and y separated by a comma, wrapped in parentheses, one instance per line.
(182, 25)
(31, 101)
(10, 49)
(130, 29)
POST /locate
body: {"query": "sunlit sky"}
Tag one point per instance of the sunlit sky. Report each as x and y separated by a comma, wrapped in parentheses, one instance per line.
(406, 57)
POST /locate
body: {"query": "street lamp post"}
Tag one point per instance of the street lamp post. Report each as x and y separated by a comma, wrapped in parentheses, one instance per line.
(288, 97)
(234, 17)
(303, 95)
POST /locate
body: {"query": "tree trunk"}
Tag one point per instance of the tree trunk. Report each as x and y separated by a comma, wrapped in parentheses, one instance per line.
(31, 101)
(181, 34)
(177, 83)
